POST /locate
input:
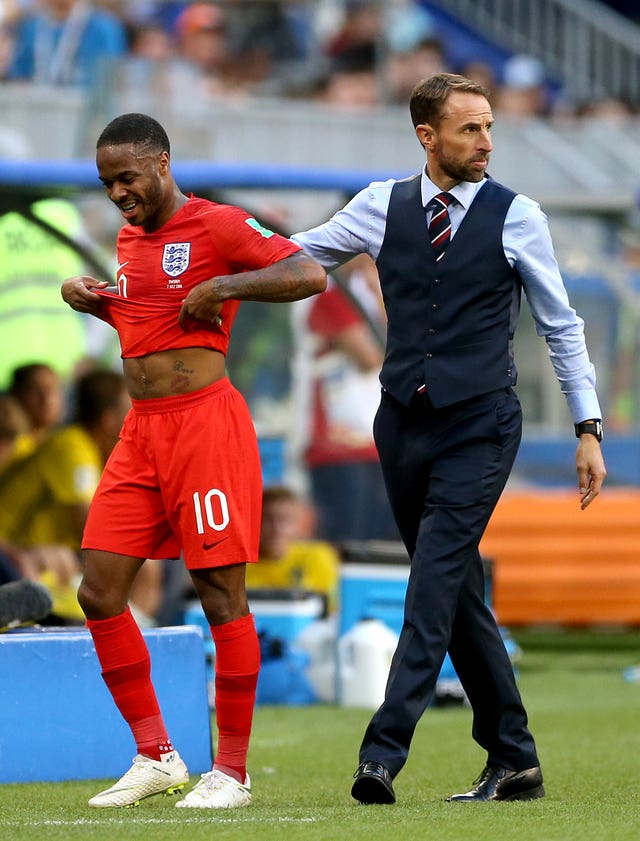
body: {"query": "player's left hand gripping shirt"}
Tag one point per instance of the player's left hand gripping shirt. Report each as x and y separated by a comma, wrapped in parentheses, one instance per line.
(157, 270)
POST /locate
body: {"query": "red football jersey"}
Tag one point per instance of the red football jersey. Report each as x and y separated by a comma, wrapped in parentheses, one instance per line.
(156, 271)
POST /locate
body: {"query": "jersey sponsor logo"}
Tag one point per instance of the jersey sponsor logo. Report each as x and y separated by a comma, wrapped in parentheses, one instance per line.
(175, 258)
(253, 223)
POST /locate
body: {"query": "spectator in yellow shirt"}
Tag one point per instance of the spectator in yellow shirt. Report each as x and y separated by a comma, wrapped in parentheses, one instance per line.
(38, 389)
(287, 560)
(44, 497)
(14, 427)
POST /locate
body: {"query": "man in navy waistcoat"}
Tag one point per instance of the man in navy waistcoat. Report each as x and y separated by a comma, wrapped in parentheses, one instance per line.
(454, 250)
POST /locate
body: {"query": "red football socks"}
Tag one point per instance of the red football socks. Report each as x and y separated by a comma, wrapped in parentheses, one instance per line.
(126, 670)
(237, 665)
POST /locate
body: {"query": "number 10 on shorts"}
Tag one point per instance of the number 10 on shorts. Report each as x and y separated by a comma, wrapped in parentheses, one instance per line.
(214, 509)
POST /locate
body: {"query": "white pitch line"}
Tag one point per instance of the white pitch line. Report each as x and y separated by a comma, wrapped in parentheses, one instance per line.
(208, 818)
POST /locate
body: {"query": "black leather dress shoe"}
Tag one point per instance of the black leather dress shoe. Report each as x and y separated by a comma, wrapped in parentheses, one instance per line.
(503, 784)
(373, 784)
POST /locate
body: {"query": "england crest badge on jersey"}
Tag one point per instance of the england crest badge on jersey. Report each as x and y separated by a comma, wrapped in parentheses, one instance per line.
(175, 258)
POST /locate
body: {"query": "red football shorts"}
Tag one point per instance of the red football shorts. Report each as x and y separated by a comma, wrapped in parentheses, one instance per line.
(184, 476)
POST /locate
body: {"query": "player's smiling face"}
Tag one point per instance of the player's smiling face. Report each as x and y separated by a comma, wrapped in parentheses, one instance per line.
(135, 178)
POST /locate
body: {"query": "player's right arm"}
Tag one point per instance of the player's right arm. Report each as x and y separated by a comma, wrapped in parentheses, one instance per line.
(76, 291)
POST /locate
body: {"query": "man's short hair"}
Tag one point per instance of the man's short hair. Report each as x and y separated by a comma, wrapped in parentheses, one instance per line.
(278, 493)
(23, 376)
(429, 96)
(138, 129)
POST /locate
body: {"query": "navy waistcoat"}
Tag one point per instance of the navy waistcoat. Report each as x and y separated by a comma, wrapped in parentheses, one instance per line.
(450, 324)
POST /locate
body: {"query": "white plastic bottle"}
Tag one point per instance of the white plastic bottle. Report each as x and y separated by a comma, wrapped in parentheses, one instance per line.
(364, 658)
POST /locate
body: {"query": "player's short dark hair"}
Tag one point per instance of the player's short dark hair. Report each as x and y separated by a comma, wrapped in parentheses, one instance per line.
(430, 96)
(139, 129)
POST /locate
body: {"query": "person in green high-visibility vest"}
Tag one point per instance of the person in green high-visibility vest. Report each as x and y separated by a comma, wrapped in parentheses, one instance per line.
(35, 324)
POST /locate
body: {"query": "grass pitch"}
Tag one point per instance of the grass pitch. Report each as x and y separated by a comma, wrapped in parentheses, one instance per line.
(584, 716)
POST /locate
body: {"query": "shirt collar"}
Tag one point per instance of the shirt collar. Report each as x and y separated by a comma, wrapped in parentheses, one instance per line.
(464, 192)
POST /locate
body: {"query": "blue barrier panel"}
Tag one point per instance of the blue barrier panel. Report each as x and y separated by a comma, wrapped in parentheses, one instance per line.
(59, 722)
(54, 175)
(550, 461)
(272, 459)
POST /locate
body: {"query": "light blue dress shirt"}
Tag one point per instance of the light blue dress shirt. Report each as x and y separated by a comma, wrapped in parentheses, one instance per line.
(360, 227)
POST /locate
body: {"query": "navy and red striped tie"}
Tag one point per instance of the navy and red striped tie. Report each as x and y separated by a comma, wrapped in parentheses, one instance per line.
(440, 224)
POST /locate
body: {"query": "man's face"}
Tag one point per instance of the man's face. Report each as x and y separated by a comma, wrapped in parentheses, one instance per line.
(135, 180)
(43, 398)
(280, 527)
(459, 147)
(59, 9)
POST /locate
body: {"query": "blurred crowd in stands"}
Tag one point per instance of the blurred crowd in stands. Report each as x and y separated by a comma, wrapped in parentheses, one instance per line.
(346, 53)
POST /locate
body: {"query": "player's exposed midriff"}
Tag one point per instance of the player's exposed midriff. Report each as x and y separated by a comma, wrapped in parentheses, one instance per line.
(171, 372)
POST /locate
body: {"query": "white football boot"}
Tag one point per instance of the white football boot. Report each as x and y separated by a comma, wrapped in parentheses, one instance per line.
(145, 778)
(217, 790)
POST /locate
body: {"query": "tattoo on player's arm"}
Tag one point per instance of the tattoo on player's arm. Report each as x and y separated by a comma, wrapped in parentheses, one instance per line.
(297, 274)
(289, 277)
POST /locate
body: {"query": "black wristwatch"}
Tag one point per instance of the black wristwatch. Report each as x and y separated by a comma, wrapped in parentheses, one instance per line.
(593, 427)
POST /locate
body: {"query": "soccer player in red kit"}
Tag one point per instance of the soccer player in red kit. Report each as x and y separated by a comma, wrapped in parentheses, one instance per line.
(185, 474)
